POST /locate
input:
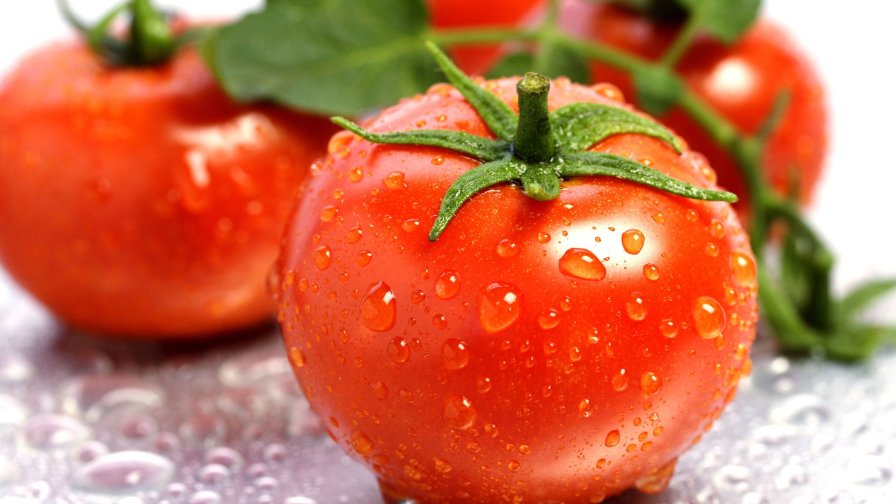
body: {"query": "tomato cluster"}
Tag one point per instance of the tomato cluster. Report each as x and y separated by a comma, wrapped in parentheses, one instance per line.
(539, 351)
(741, 82)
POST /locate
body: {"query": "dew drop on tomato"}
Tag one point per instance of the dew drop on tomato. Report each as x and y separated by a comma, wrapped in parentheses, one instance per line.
(633, 241)
(585, 408)
(354, 235)
(363, 258)
(483, 384)
(398, 350)
(410, 225)
(378, 308)
(668, 328)
(744, 268)
(549, 319)
(447, 285)
(441, 466)
(709, 317)
(459, 413)
(582, 263)
(612, 438)
(328, 213)
(338, 145)
(513, 466)
(361, 443)
(635, 307)
(380, 390)
(651, 272)
(619, 381)
(455, 354)
(506, 248)
(322, 256)
(394, 180)
(658, 480)
(296, 358)
(609, 91)
(650, 383)
(499, 306)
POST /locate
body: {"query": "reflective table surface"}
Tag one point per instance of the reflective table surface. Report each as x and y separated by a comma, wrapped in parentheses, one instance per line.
(95, 421)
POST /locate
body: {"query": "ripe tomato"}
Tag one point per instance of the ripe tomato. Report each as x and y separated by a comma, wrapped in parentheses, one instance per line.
(142, 201)
(487, 13)
(741, 82)
(553, 351)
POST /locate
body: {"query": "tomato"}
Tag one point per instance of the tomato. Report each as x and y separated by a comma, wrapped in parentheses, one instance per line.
(142, 201)
(488, 13)
(741, 82)
(538, 351)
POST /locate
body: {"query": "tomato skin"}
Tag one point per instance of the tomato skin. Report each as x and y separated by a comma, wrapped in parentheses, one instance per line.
(741, 82)
(472, 368)
(448, 14)
(142, 202)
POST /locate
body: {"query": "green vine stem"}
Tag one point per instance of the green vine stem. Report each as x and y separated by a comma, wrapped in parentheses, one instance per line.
(800, 326)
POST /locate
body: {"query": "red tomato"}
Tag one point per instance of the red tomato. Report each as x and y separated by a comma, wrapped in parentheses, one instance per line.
(142, 201)
(741, 82)
(484, 13)
(557, 351)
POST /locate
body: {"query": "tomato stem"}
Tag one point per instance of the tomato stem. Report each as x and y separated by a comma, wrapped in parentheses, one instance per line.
(534, 140)
(149, 40)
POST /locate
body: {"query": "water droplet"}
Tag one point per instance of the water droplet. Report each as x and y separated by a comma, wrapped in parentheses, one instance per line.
(499, 306)
(651, 272)
(668, 328)
(322, 257)
(513, 466)
(328, 213)
(744, 268)
(380, 391)
(254, 369)
(439, 321)
(363, 258)
(394, 180)
(205, 497)
(296, 358)
(398, 350)
(609, 91)
(650, 383)
(658, 480)
(97, 395)
(356, 174)
(15, 368)
(506, 248)
(692, 215)
(549, 319)
(459, 413)
(483, 384)
(410, 225)
(125, 471)
(585, 408)
(633, 241)
(543, 237)
(438, 160)
(442, 466)
(378, 308)
(455, 354)
(49, 431)
(213, 473)
(582, 263)
(354, 235)
(12, 412)
(362, 444)
(716, 229)
(447, 285)
(338, 144)
(619, 381)
(612, 438)
(800, 410)
(709, 317)
(635, 307)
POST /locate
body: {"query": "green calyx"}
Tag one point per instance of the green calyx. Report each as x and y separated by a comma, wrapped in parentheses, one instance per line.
(538, 148)
(148, 41)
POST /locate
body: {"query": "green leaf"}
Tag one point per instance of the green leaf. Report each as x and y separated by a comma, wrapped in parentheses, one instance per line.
(852, 344)
(597, 163)
(863, 296)
(494, 112)
(326, 56)
(478, 147)
(726, 20)
(513, 64)
(541, 182)
(657, 88)
(470, 183)
(581, 125)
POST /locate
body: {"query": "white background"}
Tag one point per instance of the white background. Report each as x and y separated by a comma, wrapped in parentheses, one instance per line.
(852, 47)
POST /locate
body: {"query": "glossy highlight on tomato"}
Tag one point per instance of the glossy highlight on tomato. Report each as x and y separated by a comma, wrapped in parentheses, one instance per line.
(741, 82)
(142, 202)
(553, 351)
